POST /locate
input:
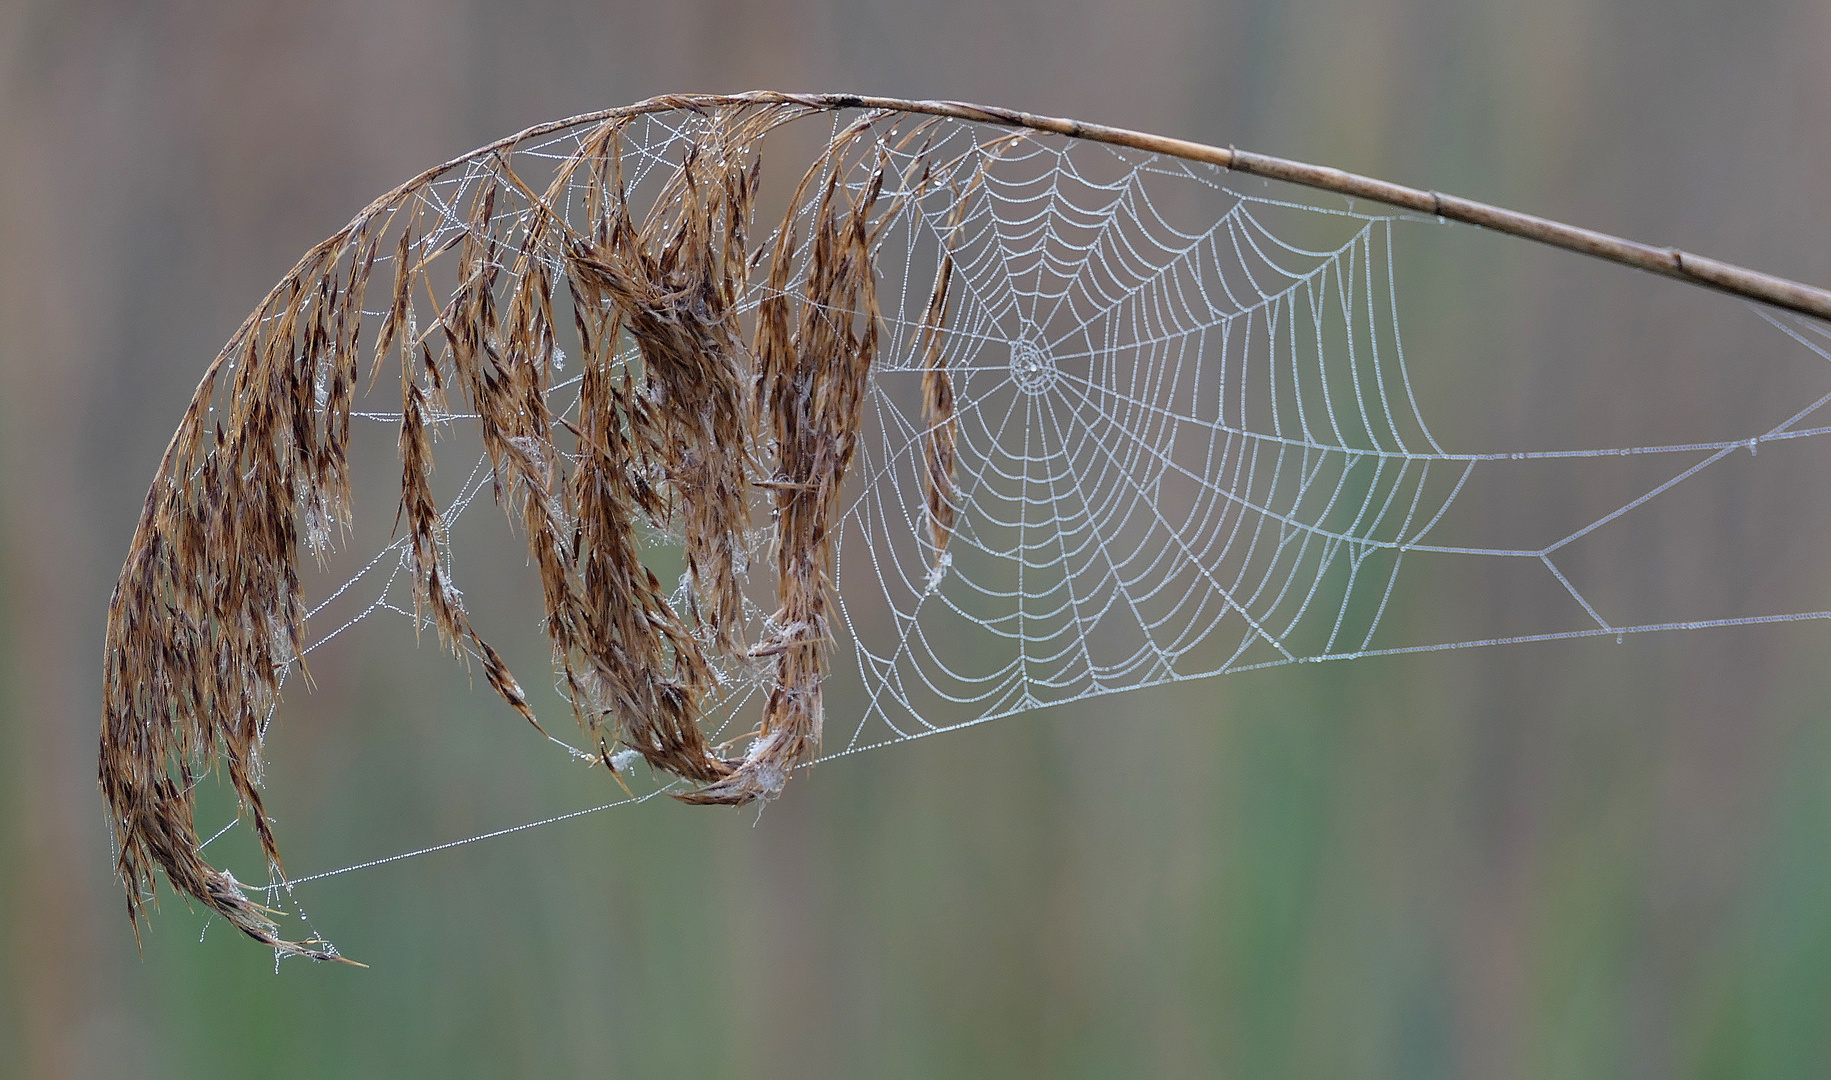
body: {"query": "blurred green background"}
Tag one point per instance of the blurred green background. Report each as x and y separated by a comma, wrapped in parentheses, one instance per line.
(1569, 860)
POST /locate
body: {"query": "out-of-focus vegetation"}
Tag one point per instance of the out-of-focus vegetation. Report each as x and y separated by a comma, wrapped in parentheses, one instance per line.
(1570, 860)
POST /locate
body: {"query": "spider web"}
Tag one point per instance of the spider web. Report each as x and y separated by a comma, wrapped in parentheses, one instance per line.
(1187, 441)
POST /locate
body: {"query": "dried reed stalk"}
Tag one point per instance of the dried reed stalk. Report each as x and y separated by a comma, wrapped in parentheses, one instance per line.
(209, 614)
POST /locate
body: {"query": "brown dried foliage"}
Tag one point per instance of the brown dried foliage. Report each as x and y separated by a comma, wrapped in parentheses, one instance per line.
(940, 427)
(938, 422)
(673, 444)
(814, 346)
(209, 613)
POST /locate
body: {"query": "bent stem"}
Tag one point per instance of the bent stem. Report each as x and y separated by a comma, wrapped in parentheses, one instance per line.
(209, 610)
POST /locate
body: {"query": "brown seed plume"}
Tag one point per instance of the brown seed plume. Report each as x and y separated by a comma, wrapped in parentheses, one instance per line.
(681, 424)
(938, 421)
(814, 347)
(209, 612)
(672, 443)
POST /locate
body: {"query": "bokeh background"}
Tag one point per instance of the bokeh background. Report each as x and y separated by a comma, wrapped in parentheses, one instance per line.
(1565, 860)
